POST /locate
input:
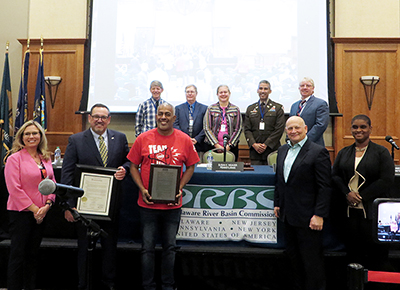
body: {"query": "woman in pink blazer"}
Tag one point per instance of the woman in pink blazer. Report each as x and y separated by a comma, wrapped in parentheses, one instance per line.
(28, 164)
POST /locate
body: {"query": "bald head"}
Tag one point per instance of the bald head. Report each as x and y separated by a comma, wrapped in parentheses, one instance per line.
(165, 119)
(296, 129)
(168, 106)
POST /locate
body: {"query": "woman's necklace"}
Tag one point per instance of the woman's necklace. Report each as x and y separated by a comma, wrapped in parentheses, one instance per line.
(361, 149)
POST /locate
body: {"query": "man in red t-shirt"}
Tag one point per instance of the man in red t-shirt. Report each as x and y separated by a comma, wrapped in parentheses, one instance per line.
(167, 146)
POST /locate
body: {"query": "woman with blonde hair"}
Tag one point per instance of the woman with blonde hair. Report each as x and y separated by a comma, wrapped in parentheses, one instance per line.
(28, 164)
(223, 118)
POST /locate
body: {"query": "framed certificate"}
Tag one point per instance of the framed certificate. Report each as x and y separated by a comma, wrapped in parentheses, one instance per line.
(164, 182)
(100, 197)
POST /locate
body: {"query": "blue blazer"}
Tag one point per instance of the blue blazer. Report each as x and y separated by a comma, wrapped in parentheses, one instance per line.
(82, 149)
(307, 191)
(182, 122)
(316, 116)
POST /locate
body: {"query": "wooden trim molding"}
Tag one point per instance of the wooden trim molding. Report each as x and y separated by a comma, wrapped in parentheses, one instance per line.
(366, 40)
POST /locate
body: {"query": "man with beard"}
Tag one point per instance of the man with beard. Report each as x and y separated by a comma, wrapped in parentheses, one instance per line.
(167, 146)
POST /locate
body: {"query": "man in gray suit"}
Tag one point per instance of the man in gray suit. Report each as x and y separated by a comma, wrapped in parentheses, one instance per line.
(314, 111)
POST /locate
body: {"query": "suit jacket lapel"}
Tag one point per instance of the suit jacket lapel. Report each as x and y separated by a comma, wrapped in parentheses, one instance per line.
(195, 113)
(111, 144)
(299, 159)
(186, 113)
(89, 140)
(308, 104)
(281, 161)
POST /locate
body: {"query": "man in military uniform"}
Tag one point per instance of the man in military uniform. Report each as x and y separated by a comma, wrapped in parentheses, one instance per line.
(264, 125)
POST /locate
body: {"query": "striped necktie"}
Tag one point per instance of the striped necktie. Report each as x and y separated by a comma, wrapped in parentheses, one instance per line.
(190, 120)
(301, 105)
(103, 151)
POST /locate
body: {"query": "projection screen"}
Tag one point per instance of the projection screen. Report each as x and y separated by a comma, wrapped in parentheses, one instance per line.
(205, 43)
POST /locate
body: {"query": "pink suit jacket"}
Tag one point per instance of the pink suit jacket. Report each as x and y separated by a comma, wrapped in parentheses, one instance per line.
(22, 179)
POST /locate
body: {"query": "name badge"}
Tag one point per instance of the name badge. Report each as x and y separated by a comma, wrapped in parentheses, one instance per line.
(223, 127)
(262, 125)
(190, 122)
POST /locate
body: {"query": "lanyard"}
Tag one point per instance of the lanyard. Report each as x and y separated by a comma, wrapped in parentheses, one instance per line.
(155, 106)
(223, 112)
(262, 112)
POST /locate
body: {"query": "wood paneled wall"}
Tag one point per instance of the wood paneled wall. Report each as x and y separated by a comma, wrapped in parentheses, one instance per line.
(356, 57)
(64, 58)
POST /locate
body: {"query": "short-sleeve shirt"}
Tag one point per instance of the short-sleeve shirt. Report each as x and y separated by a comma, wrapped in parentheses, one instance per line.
(153, 148)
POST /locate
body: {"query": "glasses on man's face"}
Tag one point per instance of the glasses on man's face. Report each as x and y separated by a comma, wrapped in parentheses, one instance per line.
(97, 117)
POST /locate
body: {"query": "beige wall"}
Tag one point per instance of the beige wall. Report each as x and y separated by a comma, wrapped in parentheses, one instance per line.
(57, 19)
(13, 25)
(367, 18)
(67, 19)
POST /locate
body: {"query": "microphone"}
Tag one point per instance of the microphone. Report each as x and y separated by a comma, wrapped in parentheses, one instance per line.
(391, 141)
(48, 186)
(225, 137)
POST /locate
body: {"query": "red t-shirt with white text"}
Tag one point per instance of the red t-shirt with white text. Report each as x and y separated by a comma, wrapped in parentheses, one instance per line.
(153, 148)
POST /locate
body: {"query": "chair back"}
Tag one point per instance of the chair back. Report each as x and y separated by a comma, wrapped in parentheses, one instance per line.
(219, 156)
(271, 158)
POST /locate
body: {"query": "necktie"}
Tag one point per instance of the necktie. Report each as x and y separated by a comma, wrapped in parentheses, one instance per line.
(190, 120)
(301, 105)
(103, 151)
(262, 107)
(156, 106)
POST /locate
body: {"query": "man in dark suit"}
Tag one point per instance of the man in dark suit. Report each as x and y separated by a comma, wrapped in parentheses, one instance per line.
(301, 201)
(97, 146)
(263, 125)
(314, 111)
(189, 119)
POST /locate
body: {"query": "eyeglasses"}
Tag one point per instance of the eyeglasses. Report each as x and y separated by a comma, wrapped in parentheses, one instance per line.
(27, 134)
(97, 117)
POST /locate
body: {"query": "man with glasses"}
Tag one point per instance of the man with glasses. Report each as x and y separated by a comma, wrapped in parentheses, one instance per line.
(189, 119)
(97, 146)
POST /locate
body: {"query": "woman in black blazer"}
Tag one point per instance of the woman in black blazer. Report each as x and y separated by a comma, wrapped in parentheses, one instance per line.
(361, 173)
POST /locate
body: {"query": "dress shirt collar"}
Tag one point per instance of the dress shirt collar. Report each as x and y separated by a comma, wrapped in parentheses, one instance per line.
(306, 99)
(299, 144)
(96, 136)
(193, 105)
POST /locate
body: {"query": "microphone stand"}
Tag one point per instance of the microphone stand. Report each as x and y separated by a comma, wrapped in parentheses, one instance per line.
(393, 152)
(93, 233)
(225, 141)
